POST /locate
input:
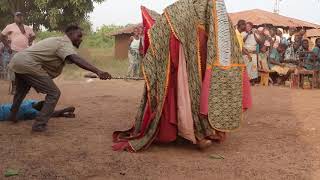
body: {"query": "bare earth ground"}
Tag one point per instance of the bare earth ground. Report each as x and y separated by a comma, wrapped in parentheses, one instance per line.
(279, 139)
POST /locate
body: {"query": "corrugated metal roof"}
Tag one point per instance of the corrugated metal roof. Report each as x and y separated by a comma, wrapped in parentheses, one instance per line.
(259, 17)
(313, 33)
(126, 30)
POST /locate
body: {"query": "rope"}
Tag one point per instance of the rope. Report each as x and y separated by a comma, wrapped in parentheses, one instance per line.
(116, 78)
(129, 78)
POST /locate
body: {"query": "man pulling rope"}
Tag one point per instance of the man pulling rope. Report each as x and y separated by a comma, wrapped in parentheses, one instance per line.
(38, 65)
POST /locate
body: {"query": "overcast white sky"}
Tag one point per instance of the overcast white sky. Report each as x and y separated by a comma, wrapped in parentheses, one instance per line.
(122, 12)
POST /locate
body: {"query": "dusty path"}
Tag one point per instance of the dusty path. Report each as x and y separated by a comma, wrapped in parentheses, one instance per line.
(280, 139)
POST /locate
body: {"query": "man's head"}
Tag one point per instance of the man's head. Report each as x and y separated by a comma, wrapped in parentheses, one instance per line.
(272, 32)
(74, 33)
(292, 30)
(282, 48)
(141, 30)
(249, 26)
(266, 31)
(241, 26)
(305, 44)
(302, 32)
(18, 18)
(136, 32)
(318, 42)
(298, 37)
(296, 45)
(279, 32)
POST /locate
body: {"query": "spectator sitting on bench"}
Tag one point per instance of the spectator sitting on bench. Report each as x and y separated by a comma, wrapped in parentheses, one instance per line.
(276, 63)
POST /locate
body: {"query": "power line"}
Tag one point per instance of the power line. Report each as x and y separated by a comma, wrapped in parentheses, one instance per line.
(277, 6)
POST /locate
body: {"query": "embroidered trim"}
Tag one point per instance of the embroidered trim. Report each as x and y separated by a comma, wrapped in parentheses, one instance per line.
(147, 83)
(198, 51)
(202, 27)
(214, 16)
(167, 81)
(170, 24)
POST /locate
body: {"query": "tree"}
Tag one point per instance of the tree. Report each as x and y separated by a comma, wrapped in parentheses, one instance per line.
(51, 14)
(101, 37)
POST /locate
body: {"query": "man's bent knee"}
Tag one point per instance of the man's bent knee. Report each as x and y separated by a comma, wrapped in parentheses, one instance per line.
(55, 94)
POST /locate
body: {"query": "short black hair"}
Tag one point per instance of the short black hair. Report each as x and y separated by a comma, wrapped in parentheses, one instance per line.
(72, 27)
(318, 39)
(241, 21)
(250, 23)
(305, 40)
(272, 28)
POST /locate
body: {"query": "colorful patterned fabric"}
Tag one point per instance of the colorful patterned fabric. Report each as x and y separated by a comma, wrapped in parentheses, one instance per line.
(292, 54)
(263, 62)
(252, 65)
(189, 21)
(280, 70)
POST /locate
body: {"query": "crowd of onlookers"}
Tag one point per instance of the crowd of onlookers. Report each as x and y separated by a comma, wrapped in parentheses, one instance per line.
(268, 49)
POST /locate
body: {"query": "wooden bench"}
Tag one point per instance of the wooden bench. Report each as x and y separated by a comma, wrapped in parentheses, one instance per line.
(297, 79)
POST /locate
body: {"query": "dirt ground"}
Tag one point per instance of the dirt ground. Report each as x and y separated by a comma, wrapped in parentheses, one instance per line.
(279, 139)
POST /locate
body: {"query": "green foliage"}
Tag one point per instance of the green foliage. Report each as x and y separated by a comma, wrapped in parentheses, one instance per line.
(99, 39)
(52, 14)
(47, 34)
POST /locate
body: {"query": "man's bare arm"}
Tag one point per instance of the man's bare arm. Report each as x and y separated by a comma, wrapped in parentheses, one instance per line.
(77, 60)
(31, 39)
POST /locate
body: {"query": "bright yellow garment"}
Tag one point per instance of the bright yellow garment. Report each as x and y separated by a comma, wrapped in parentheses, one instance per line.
(240, 39)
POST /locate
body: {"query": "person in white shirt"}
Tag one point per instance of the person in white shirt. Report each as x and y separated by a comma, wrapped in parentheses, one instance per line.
(251, 56)
(134, 54)
(290, 36)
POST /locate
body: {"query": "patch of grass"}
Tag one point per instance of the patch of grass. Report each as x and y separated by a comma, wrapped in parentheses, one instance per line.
(102, 58)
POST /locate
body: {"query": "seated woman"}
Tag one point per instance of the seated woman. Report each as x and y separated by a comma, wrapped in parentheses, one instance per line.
(29, 109)
(276, 63)
(316, 54)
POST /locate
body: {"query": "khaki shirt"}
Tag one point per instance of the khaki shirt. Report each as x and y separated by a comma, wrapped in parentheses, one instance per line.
(45, 58)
